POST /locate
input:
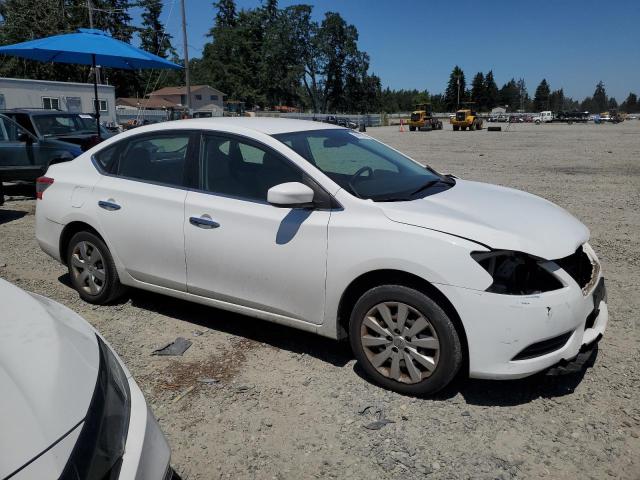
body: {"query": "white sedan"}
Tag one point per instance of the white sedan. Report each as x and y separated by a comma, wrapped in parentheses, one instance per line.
(70, 408)
(328, 230)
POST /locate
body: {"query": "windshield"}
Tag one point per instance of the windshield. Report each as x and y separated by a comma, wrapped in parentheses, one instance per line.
(363, 166)
(53, 125)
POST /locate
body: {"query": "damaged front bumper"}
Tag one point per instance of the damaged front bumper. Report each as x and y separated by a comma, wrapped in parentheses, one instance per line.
(513, 336)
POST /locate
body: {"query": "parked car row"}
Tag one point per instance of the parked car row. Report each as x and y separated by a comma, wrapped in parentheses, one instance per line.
(542, 117)
(340, 121)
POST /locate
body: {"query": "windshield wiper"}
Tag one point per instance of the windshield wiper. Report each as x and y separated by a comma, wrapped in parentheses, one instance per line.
(430, 183)
(391, 199)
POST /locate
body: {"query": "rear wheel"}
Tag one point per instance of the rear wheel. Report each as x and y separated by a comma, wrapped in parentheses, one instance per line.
(91, 268)
(456, 128)
(404, 341)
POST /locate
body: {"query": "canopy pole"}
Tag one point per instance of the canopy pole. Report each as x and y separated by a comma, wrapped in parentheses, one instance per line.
(96, 103)
(187, 80)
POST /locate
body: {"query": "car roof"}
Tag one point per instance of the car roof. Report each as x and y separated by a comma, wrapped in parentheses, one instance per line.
(266, 125)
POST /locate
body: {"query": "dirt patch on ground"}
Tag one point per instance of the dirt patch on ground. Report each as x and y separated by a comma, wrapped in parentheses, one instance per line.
(220, 367)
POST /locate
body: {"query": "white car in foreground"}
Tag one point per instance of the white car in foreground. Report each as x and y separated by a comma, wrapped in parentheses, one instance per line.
(328, 230)
(70, 408)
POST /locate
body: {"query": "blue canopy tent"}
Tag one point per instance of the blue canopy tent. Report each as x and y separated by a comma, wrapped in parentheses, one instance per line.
(88, 47)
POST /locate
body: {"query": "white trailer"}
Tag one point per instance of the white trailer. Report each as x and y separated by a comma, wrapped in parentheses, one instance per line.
(65, 96)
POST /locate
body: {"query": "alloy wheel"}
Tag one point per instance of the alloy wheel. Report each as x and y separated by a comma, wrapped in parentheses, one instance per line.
(400, 342)
(88, 267)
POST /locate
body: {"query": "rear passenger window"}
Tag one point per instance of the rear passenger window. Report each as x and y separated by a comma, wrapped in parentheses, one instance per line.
(106, 157)
(158, 159)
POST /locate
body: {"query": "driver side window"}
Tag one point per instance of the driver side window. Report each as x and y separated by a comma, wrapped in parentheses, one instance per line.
(241, 169)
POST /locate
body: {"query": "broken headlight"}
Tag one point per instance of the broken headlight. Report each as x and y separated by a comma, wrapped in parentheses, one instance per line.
(516, 273)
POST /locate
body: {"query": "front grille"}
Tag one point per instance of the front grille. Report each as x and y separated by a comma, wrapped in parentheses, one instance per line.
(579, 266)
(542, 348)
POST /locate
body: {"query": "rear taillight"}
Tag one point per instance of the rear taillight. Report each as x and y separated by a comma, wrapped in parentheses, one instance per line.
(42, 183)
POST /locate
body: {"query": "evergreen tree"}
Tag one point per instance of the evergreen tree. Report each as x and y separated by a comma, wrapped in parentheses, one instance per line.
(153, 37)
(510, 95)
(589, 105)
(478, 91)
(613, 104)
(630, 105)
(271, 9)
(19, 24)
(523, 101)
(556, 100)
(119, 19)
(490, 91)
(599, 98)
(456, 88)
(226, 15)
(541, 99)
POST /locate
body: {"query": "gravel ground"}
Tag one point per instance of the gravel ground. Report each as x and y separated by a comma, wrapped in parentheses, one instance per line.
(292, 405)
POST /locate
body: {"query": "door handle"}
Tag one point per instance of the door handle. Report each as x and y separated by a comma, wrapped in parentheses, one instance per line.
(203, 222)
(110, 206)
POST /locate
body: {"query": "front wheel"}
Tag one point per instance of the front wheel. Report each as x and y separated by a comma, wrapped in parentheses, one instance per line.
(404, 341)
(456, 128)
(91, 268)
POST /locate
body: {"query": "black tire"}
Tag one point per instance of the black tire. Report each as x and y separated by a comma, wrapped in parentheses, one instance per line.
(456, 128)
(111, 288)
(450, 350)
(412, 129)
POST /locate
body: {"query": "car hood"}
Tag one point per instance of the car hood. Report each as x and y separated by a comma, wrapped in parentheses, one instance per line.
(49, 362)
(498, 217)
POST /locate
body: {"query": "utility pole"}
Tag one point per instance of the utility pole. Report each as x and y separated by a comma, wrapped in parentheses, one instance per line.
(96, 70)
(186, 58)
(458, 81)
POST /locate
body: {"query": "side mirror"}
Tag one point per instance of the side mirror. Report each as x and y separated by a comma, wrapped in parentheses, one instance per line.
(25, 137)
(291, 195)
